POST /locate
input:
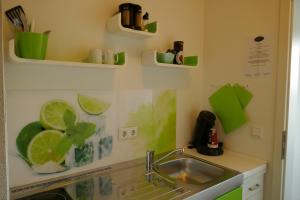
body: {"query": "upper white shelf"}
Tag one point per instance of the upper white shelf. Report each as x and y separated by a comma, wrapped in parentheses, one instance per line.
(15, 59)
(149, 58)
(114, 26)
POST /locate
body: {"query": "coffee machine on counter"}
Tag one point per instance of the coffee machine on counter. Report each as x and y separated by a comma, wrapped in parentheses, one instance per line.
(205, 138)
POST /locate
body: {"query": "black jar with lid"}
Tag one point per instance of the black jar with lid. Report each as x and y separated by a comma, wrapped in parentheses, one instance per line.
(131, 16)
(126, 11)
(137, 17)
(178, 46)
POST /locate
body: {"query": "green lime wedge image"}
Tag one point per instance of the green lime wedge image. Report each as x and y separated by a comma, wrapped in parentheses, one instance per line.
(91, 105)
(52, 114)
(25, 136)
(42, 147)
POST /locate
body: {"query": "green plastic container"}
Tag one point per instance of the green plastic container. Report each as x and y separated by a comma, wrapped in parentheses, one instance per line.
(31, 45)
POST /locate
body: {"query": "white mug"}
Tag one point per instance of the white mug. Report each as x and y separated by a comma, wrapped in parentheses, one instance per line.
(109, 57)
(95, 56)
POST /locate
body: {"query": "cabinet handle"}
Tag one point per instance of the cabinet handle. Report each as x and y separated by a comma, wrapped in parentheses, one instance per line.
(256, 186)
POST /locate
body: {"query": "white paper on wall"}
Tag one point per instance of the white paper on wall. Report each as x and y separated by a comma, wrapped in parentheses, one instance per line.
(259, 56)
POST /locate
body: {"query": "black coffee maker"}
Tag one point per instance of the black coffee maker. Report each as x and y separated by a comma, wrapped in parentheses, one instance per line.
(205, 122)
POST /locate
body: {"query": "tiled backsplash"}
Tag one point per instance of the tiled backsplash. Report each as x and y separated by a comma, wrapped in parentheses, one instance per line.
(55, 133)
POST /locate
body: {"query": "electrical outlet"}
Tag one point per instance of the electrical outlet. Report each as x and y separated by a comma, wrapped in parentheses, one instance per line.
(126, 133)
(257, 132)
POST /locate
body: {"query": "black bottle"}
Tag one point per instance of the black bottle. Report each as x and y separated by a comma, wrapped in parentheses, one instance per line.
(178, 49)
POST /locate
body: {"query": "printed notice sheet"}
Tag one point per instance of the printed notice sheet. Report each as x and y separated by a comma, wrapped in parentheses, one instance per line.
(259, 57)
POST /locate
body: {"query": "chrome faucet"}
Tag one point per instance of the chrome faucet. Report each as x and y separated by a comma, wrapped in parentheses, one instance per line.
(150, 158)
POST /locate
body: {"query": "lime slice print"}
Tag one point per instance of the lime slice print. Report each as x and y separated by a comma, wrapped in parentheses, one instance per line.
(26, 135)
(42, 147)
(52, 114)
(91, 105)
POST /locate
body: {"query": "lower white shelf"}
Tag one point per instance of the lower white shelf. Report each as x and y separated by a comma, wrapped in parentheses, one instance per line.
(149, 58)
(15, 59)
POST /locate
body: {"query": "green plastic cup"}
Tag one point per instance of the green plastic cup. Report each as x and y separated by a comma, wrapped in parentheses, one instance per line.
(31, 45)
(165, 57)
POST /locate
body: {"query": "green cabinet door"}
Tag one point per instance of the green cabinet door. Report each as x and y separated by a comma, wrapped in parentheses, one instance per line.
(235, 194)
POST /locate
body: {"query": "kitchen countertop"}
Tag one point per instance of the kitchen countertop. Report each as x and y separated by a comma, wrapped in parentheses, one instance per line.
(240, 162)
(118, 182)
(128, 181)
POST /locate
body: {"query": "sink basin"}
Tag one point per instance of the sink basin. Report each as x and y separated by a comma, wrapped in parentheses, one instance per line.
(195, 173)
(190, 170)
(206, 180)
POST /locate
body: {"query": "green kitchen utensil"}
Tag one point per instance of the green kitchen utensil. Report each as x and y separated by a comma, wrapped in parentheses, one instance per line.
(227, 107)
(31, 45)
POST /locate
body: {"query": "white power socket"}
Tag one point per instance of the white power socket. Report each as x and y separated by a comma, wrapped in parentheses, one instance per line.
(257, 132)
(126, 133)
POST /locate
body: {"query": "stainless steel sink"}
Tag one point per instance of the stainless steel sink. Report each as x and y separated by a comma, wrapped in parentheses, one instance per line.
(195, 174)
(190, 170)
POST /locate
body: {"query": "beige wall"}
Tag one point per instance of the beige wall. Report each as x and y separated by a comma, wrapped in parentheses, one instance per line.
(228, 26)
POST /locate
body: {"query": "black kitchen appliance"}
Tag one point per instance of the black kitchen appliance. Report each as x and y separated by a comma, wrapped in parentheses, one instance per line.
(205, 122)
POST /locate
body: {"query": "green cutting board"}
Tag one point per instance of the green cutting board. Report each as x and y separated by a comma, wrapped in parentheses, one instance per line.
(227, 107)
(243, 95)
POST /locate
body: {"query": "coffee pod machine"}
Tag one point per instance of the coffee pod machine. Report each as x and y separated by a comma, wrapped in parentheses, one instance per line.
(205, 138)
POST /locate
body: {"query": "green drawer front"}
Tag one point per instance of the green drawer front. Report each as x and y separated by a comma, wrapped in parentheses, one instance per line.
(235, 194)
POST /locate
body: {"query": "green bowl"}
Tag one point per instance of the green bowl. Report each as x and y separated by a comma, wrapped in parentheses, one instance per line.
(31, 45)
(165, 58)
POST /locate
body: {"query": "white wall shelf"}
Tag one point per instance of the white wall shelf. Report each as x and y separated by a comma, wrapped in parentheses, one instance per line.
(149, 58)
(114, 26)
(15, 59)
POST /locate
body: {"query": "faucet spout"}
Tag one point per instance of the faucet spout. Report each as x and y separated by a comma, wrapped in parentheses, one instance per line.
(178, 150)
(150, 158)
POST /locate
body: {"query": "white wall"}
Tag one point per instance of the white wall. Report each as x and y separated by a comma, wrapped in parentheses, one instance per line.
(228, 26)
(292, 175)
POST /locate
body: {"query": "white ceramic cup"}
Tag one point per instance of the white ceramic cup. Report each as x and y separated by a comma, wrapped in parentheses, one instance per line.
(95, 56)
(109, 57)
